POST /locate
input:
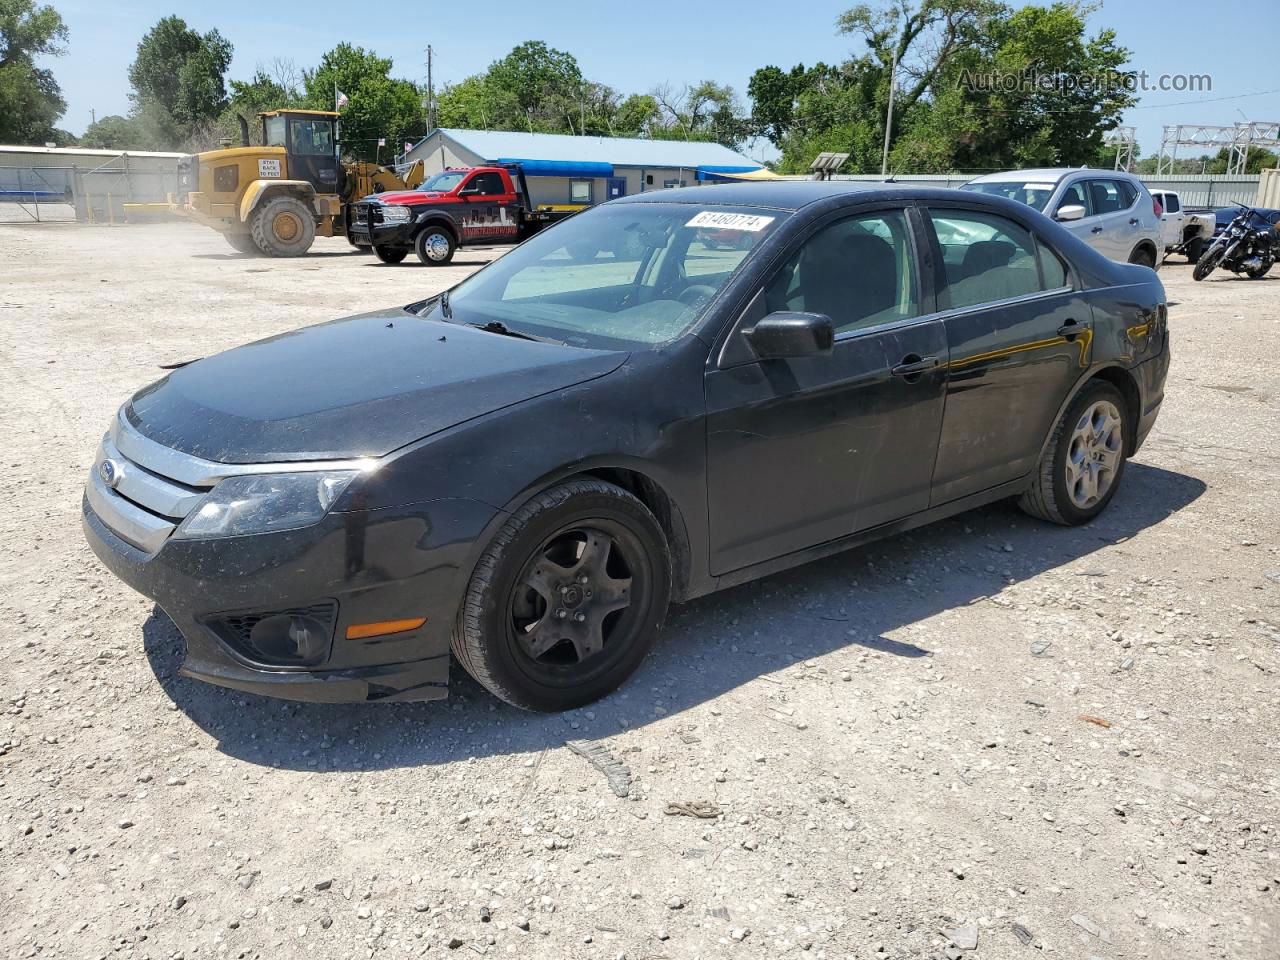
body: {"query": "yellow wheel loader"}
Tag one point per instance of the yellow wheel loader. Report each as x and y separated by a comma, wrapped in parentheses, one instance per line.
(274, 199)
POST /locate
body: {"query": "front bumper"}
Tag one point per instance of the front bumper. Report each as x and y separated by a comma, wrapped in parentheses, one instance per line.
(375, 566)
(394, 235)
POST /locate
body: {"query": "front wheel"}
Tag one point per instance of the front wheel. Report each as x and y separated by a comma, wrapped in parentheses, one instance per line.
(434, 246)
(1081, 467)
(389, 254)
(1209, 261)
(567, 598)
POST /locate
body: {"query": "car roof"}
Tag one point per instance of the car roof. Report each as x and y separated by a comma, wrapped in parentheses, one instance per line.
(1046, 174)
(787, 194)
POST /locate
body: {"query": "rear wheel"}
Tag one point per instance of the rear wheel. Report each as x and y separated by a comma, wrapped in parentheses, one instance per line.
(1262, 269)
(1081, 467)
(283, 227)
(567, 599)
(389, 254)
(434, 246)
(1143, 257)
(242, 243)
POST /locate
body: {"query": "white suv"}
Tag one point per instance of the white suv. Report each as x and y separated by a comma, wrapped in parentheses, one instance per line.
(1109, 210)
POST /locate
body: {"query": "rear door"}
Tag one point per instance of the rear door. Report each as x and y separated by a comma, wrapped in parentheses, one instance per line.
(807, 450)
(1112, 213)
(1018, 337)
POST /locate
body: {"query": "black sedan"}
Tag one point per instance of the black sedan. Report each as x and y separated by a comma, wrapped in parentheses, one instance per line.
(633, 407)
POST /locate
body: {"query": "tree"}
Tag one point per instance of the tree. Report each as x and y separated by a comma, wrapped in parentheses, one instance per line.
(1067, 89)
(30, 99)
(1257, 160)
(115, 132)
(379, 105)
(180, 73)
(701, 111)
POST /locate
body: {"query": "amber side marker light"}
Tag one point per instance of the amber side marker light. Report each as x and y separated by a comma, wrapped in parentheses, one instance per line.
(363, 631)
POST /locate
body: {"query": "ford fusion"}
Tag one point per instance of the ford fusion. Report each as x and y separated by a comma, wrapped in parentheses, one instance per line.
(663, 396)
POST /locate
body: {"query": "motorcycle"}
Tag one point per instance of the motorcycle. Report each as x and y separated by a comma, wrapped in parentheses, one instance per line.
(1248, 245)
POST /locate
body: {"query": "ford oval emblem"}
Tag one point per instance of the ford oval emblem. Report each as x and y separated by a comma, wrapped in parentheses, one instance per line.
(110, 471)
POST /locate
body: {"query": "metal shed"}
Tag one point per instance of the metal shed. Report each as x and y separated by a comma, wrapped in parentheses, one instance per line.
(67, 182)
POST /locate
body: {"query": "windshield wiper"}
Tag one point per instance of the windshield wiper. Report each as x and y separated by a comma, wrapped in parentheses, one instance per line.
(500, 328)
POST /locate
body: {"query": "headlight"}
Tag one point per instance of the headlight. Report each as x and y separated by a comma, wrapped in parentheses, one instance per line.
(394, 214)
(264, 503)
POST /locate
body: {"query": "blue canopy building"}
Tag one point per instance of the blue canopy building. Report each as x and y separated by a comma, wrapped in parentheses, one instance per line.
(565, 170)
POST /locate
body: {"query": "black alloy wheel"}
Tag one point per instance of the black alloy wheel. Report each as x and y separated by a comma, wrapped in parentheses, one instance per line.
(567, 599)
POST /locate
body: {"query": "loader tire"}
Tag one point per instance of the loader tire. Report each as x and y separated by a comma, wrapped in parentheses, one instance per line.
(283, 227)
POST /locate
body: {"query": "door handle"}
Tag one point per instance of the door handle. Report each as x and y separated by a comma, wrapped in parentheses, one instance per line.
(1133, 221)
(913, 365)
(1071, 330)
(1096, 230)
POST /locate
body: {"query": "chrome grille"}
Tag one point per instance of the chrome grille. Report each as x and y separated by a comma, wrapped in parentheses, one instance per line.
(153, 488)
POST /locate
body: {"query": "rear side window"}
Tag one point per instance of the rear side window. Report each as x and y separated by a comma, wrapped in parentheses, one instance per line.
(1053, 271)
(986, 257)
(858, 272)
(1076, 195)
(1128, 193)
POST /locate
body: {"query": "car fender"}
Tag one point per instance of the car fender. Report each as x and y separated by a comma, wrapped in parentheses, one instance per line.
(259, 190)
(1112, 372)
(436, 218)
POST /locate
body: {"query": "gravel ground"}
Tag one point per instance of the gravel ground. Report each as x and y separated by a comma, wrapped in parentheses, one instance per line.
(990, 738)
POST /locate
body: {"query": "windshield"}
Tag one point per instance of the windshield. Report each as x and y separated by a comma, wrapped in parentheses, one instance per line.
(444, 182)
(1032, 193)
(617, 276)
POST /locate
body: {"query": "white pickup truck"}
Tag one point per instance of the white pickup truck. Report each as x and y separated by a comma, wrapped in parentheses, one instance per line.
(1183, 231)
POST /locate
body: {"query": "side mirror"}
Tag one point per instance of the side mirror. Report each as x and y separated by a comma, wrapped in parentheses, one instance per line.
(784, 334)
(1072, 211)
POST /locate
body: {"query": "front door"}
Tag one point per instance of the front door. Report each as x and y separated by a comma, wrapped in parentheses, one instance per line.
(487, 212)
(1018, 335)
(311, 153)
(808, 450)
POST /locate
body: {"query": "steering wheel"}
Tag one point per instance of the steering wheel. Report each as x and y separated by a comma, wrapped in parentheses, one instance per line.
(696, 295)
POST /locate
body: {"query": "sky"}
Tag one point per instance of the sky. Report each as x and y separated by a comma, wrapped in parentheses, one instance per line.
(634, 48)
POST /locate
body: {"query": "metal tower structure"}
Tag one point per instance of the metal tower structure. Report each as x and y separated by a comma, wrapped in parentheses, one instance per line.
(1236, 139)
(1125, 140)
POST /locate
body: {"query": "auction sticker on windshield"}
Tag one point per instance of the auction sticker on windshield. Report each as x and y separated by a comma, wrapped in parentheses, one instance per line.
(750, 222)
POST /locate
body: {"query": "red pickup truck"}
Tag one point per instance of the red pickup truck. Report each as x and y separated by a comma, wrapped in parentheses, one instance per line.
(451, 209)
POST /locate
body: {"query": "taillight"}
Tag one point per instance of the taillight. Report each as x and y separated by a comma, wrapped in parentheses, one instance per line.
(1155, 205)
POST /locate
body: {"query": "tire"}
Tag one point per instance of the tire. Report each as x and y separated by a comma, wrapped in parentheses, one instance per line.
(434, 246)
(1193, 249)
(531, 632)
(1053, 495)
(283, 227)
(389, 254)
(1143, 257)
(242, 243)
(1208, 261)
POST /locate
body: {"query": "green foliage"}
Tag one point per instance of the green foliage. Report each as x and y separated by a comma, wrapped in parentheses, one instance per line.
(380, 106)
(1257, 160)
(30, 99)
(541, 90)
(115, 132)
(1058, 90)
(177, 79)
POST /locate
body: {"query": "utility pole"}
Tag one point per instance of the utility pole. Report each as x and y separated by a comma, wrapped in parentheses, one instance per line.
(888, 119)
(431, 95)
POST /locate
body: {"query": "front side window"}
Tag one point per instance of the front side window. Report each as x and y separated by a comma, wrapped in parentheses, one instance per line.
(486, 184)
(986, 257)
(625, 275)
(312, 138)
(858, 272)
(1076, 195)
(1171, 203)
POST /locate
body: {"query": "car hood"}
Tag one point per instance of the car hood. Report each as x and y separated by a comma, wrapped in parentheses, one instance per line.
(358, 387)
(408, 196)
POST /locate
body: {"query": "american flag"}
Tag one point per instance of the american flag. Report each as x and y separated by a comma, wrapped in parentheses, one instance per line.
(340, 98)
